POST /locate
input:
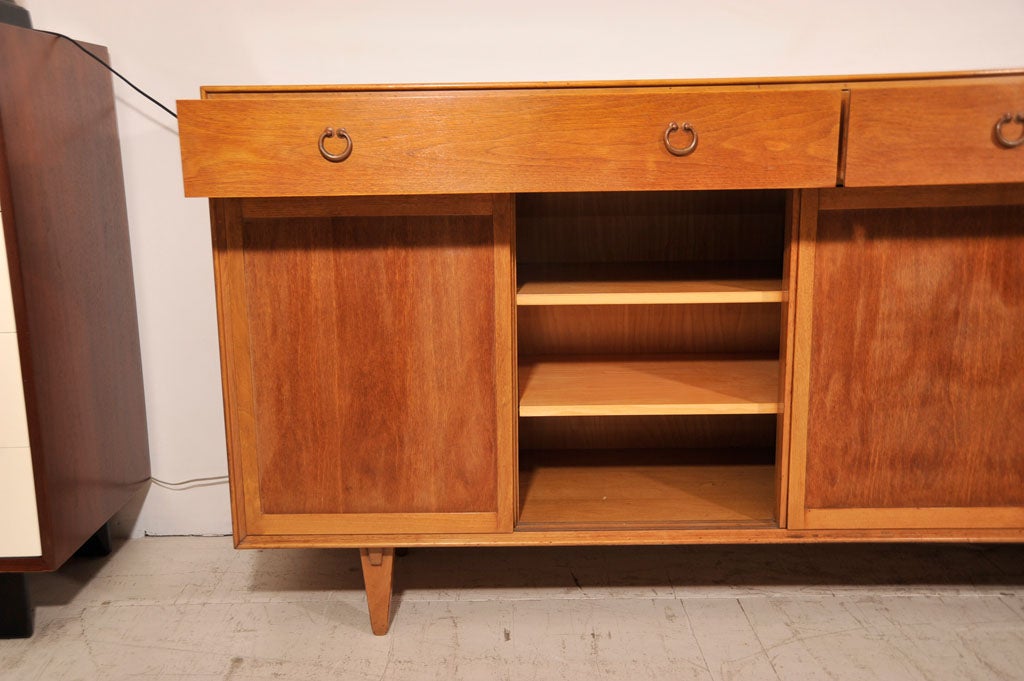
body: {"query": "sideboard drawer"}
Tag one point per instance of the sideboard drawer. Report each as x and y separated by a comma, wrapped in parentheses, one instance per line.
(517, 140)
(913, 134)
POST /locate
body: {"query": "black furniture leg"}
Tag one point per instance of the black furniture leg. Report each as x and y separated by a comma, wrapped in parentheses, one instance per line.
(98, 545)
(15, 609)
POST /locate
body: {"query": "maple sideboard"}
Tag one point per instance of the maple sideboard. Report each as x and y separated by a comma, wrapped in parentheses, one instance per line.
(618, 313)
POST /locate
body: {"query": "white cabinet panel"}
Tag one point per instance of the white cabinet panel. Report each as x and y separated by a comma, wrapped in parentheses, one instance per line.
(13, 424)
(19, 531)
(6, 305)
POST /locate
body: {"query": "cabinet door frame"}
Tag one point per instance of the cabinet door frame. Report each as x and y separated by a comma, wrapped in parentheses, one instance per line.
(248, 518)
(800, 516)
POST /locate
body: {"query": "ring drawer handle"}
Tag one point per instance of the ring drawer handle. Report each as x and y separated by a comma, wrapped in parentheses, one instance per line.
(1009, 144)
(688, 149)
(335, 158)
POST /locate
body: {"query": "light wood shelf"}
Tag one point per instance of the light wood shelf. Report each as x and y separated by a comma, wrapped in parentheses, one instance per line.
(645, 488)
(648, 385)
(647, 284)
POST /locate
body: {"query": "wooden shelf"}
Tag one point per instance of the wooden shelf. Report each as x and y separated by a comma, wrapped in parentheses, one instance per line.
(647, 284)
(648, 385)
(645, 489)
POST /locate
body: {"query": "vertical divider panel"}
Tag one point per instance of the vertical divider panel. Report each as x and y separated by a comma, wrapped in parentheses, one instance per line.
(786, 340)
(801, 360)
(506, 361)
(229, 268)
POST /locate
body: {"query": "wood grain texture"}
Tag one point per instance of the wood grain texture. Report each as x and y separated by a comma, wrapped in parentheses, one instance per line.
(706, 231)
(637, 536)
(367, 384)
(605, 489)
(366, 206)
(509, 141)
(853, 198)
(643, 284)
(66, 229)
(378, 574)
(373, 348)
(648, 329)
(916, 380)
(802, 300)
(505, 356)
(235, 361)
(787, 338)
(917, 518)
(578, 231)
(377, 523)
(647, 385)
(939, 134)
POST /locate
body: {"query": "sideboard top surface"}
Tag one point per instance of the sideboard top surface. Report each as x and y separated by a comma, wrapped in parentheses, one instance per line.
(838, 79)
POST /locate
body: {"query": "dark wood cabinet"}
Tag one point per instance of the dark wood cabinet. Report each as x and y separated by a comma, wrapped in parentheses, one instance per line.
(73, 442)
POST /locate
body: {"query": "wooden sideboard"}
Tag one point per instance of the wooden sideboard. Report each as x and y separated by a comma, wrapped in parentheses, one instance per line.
(618, 313)
(73, 442)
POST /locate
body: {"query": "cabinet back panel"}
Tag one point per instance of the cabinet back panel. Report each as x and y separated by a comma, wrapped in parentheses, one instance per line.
(648, 329)
(699, 226)
(373, 359)
(748, 431)
(917, 360)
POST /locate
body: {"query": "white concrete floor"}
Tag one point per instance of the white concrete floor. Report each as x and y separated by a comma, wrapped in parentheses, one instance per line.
(194, 608)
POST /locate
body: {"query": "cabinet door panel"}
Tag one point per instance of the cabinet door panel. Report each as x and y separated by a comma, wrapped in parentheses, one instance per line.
(374, 381)
(916, 369)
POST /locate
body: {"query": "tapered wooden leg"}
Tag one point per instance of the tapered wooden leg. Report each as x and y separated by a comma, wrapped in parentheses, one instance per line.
(378, 569)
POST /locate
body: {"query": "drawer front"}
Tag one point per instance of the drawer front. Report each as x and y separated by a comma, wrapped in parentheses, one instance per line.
(509, 141)
(935, 134)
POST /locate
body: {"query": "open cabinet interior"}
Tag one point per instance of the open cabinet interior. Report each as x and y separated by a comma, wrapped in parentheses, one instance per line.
(648, 332)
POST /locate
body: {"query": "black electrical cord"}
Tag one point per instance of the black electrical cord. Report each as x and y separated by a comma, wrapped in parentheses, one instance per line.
(108, 67)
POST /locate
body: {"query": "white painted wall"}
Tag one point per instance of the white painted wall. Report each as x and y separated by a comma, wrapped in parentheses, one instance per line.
(171, 47)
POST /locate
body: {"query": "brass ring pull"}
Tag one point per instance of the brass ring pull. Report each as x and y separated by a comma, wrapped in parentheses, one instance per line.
(335, 158)
(685, 151)
(1009, 144)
